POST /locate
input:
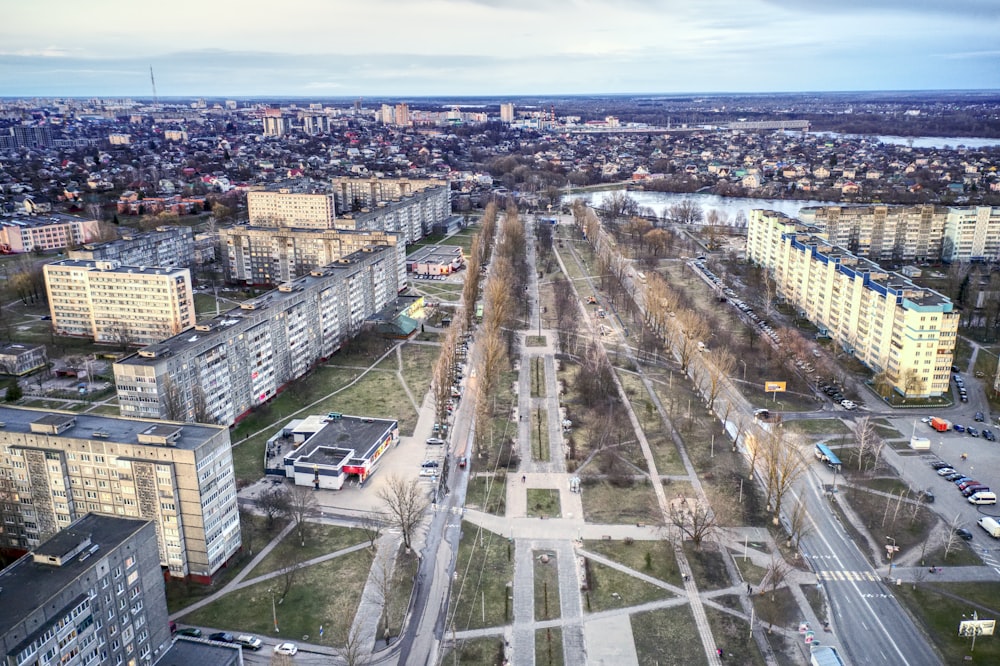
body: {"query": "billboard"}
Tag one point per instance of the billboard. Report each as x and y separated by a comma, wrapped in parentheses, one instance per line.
(976, 627)
(774, 387)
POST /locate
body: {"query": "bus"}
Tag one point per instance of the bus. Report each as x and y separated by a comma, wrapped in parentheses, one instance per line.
(824, 453)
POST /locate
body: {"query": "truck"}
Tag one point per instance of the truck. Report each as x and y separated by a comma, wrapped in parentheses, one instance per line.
(920, 443)
(991, 526)
(941, 425)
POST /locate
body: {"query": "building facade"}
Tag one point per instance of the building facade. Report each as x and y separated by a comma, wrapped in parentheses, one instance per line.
(118, 304)
(411, 214)
(20, 359)
(57, 467)
(887, 322)
(910, 233)
(240, 359)
(284, 207)
(46, 232)
(167, 246)
(91, 594)
(274, 255)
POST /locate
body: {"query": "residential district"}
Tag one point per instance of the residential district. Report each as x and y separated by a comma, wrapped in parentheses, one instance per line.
(496, 381)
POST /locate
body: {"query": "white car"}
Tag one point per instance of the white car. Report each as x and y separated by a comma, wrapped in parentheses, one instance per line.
(286, 648)
(435, 441)
(250, 642)
(428, 471)
(848, 404)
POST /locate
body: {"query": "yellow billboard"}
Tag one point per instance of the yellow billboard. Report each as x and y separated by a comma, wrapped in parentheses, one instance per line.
(774, 387)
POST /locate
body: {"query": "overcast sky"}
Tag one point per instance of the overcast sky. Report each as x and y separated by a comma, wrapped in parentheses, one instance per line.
(317, 48)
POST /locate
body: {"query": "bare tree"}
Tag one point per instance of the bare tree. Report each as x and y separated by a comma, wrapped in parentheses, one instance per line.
(866, 437)
(372, 523)
(380, 591)
(405, 505)
(720, 365)
(952, 540)
(800, 523)
(775, 574)
(122, 334)
(353, 650)
(301, 503)
(274, 503)
(782, 464)
(693, 518)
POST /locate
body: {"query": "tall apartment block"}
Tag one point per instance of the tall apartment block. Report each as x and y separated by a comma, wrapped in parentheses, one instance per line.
(883, 319)
(404, 206)
(507, 112)
(910, 233)
(285, 207)
(242, 358)
(118, 304)
(275, 123)
(167, 246)
(91, 594)
(57, 467)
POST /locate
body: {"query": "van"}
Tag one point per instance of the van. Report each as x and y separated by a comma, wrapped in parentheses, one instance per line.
(990, 525)
(983, 498)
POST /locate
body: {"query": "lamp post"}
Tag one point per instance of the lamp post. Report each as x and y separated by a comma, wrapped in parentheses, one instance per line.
(891, 550)
(744, 369)
(274, 611)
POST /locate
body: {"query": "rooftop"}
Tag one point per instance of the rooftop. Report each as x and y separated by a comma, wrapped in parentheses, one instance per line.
(29, 583)
(355, 433)
(108, 428)
(186, 651)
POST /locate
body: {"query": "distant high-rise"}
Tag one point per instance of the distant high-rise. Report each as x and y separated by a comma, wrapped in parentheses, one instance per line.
(402, 112)
(507, 112)
(275, 124)
(386, 115)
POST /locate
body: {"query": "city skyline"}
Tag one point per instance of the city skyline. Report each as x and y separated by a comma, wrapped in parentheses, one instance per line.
(497, 47)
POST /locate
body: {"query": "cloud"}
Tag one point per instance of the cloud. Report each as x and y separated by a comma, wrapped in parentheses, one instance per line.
(950, 8)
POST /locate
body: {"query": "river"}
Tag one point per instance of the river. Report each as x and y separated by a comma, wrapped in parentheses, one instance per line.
(921, 141)
(727, 207)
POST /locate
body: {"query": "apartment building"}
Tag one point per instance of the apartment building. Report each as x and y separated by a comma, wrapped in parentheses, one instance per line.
(55, 467)
(274, 255)
(275, 123)
(91, 594)
(887, 322)
(404, 207)
(910, 233)
(20, 359)
(118, 304)
(507, 112)
(230, 364)
(53, 231)
(167, 246)
(285, 207)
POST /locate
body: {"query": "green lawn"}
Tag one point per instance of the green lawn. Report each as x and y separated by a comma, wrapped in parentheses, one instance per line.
(940, 609)
(605, 503)
(819, 427)
(548, 647)
(543, 502)
(320, 540)
(476, 652)
(667, 637)
(653, 558)
(547, 585)
(539, 430)
(485, 563)
(487, 493)
(606, 582)
(324, 594)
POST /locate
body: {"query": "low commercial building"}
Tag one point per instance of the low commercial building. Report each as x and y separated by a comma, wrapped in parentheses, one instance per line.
(56, 467)
(227, 365)
(126, 305)
(91, 594)
(336, 447)
(20, 359)
(436, 260)
(888, 323)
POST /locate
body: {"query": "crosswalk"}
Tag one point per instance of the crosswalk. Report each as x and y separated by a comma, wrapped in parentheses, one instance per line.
(846, 576)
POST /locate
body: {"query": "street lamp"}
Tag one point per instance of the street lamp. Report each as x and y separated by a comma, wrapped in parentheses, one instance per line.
(744, 369)
(891, 549)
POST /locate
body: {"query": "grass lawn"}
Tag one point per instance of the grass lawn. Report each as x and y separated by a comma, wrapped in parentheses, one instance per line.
(707, 567)
(908, 524)
(667, 637)
(487, 493)
(940, 609)
(320, 540)
(535, 341)
(751, 573)
(653, 558)
(816, 600)
(537, 377)
(540, 435)
(605, 503)
(248, 459)
(605, 582)
(403, 577)
(543, 502)
(547, 585)
(324, 594)
(778, 608)
(548, 647)
(476, 652)
(731, 635)
(818, 427)
(485, 563)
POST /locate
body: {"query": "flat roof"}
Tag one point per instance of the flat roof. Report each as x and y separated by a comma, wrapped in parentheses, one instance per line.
(216, 326)
(439, 253)
(357, 433)
(187, 650)
(116, 429)
(91, 265)
(323, 455)
(42, 220)
(28, 585)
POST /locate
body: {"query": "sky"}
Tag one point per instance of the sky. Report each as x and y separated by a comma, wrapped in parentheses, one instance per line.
(400, 48)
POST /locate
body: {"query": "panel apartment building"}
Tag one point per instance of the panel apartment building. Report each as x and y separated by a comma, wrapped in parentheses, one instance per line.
(91, 594)
(407, 207)
(53, 231)
(226, 366)
(910, 233)
(165, 247)
(883, 319)
(57, 467)
(118, 304)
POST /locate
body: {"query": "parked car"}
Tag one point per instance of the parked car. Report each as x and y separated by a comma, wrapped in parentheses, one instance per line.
(972, 432)
(963, 398)
(926, 496)
(430, 463)
(968, 482)
(979, 417)
(193, 632)
(222, 637)
(926, 419)
(428, 471)
(939, 464)
(963, 533)
(958, 427)
(960, 480)
(249, 642)
(290, 649)
(945, 471)
(953, 476)
(972, 490)
(988, 435)
(435, 441)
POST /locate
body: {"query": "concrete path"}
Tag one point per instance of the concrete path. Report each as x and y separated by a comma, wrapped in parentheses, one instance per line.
(610, 641)
(365, 627)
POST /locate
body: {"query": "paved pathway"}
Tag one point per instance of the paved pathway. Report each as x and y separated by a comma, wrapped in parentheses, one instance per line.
(365, 628)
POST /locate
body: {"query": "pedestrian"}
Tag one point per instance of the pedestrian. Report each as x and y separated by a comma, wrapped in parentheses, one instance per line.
(524, 478)
(965, 456)
(749, 589)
